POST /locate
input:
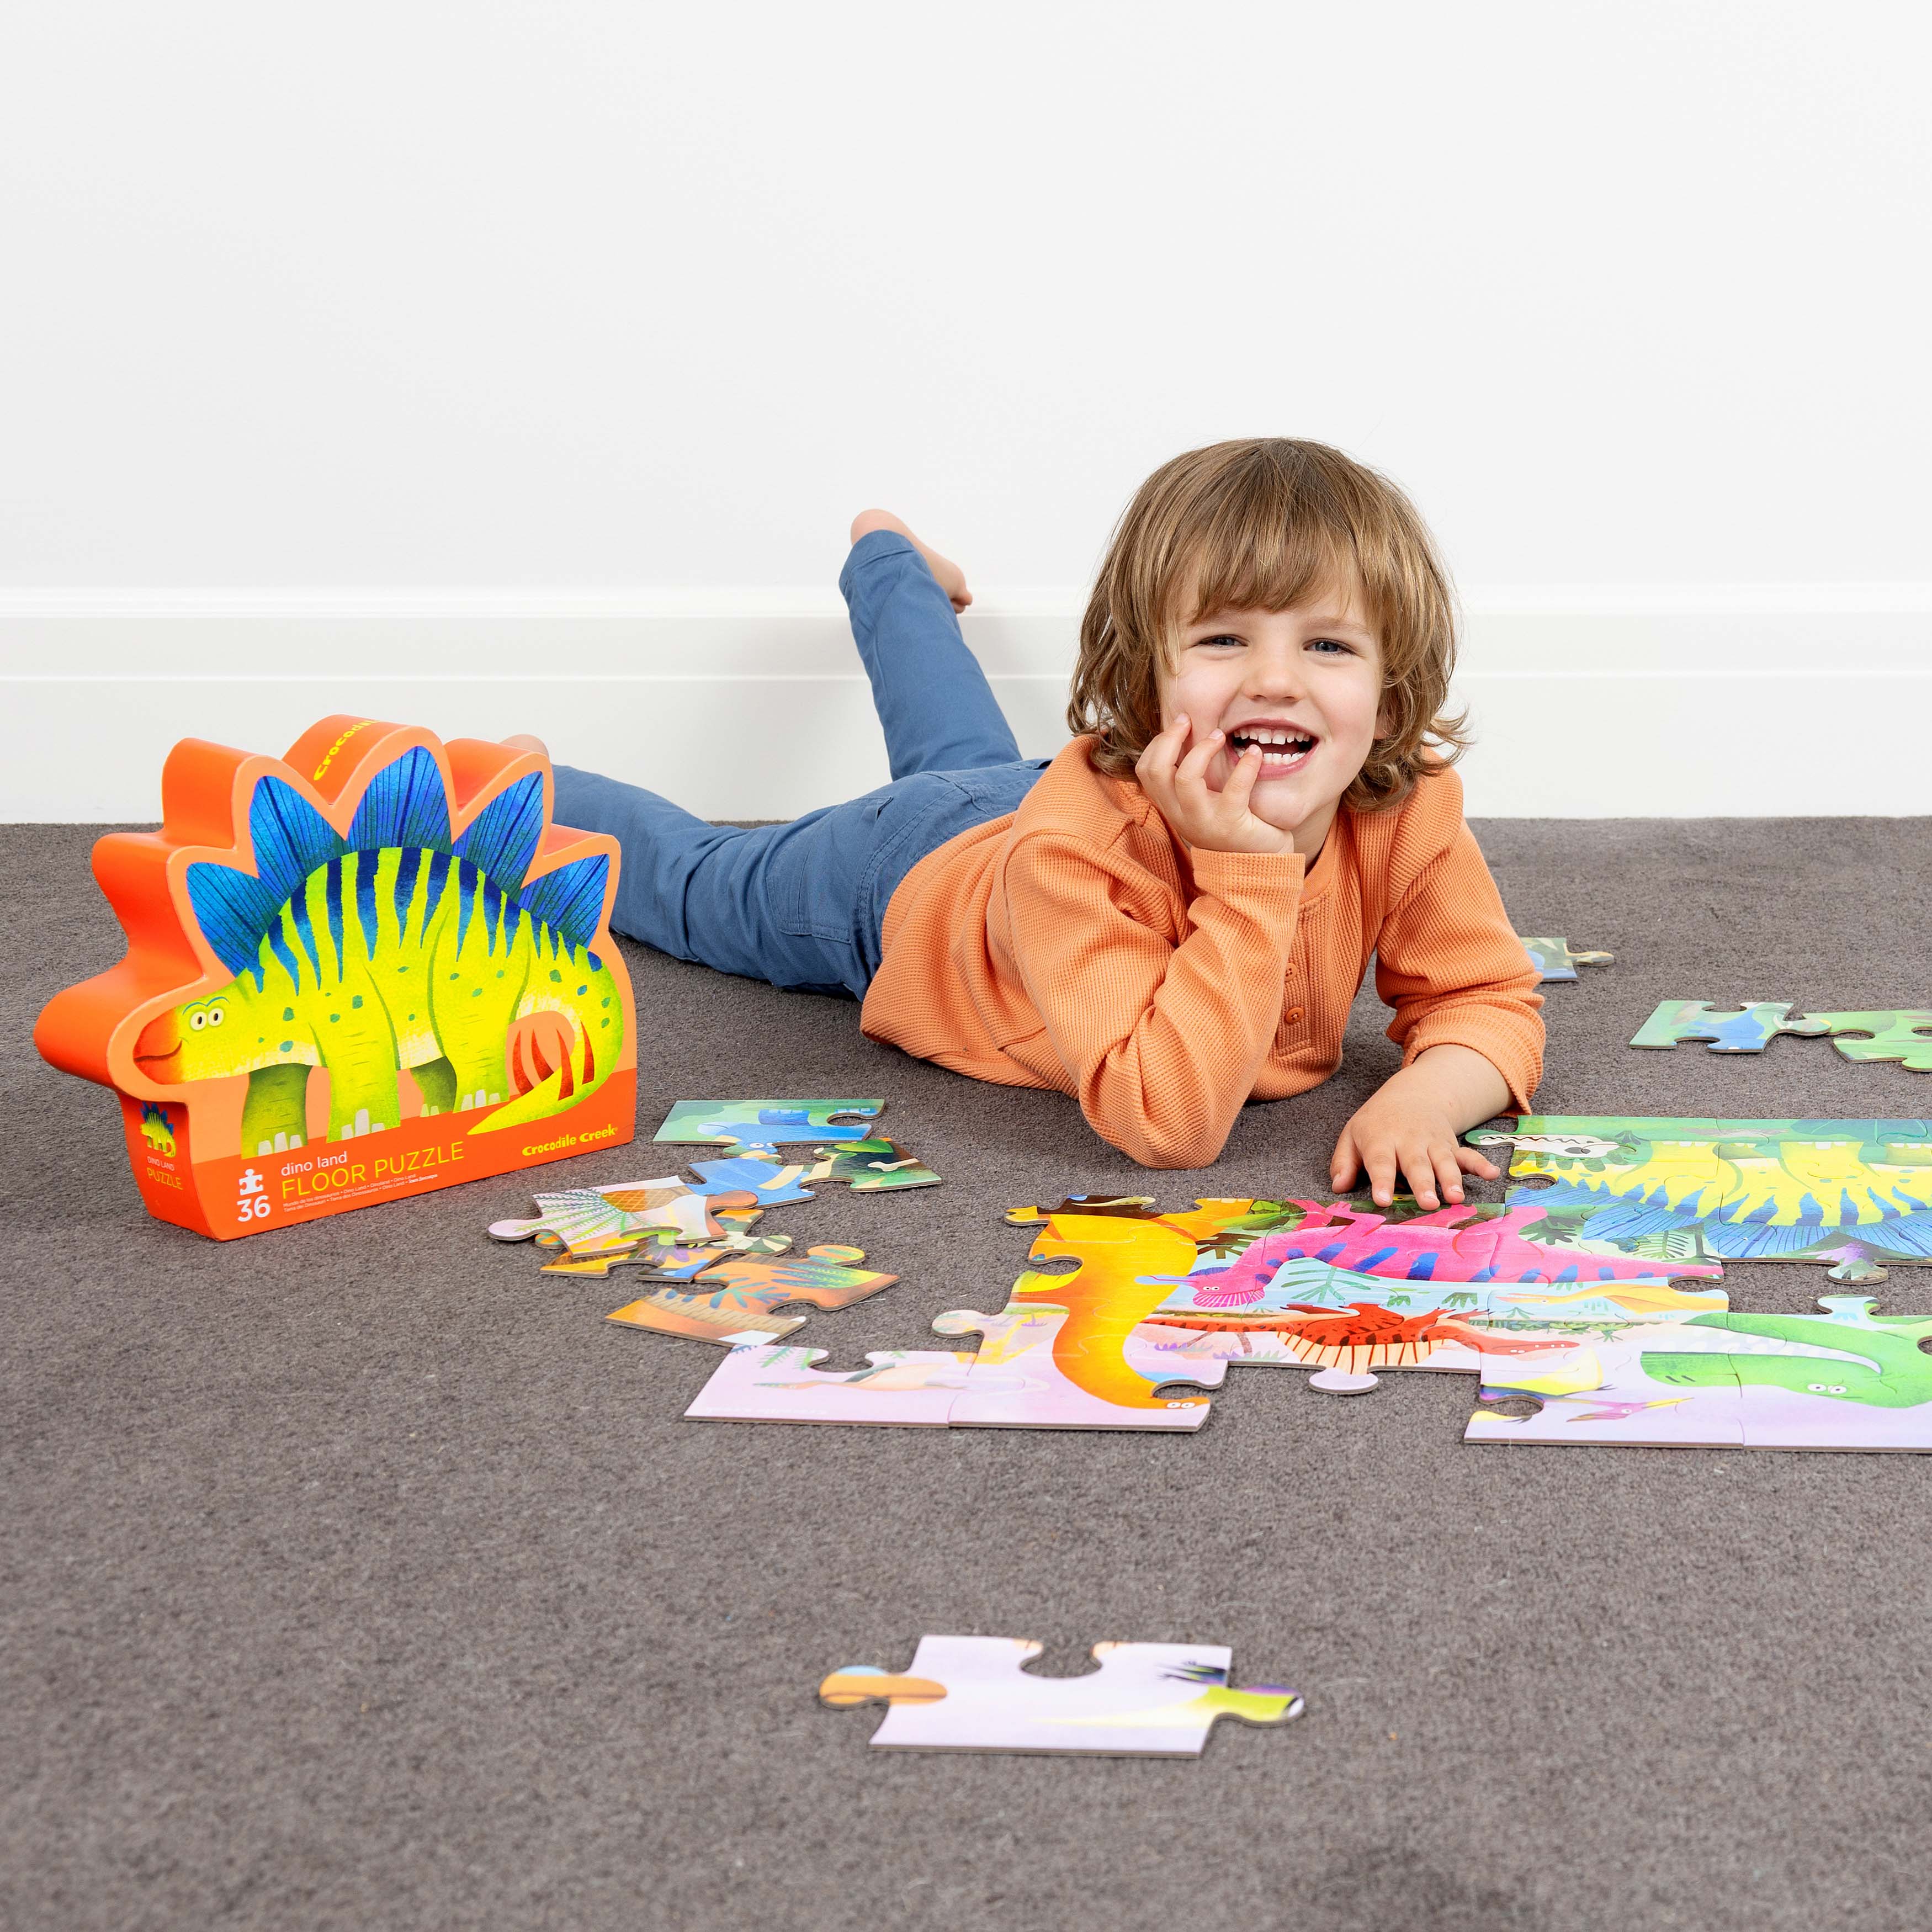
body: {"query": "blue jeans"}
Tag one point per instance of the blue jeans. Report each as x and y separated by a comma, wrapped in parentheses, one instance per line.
(803, 905)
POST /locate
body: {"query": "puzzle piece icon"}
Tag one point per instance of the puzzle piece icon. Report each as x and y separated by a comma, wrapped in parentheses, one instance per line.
(589, 1229)
(972, 1694)
(1554, 960)
(769, 1122)
(729, 1299)
(1749, 1029)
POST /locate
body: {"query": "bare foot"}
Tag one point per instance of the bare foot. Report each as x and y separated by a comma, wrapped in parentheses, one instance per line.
(949, 576)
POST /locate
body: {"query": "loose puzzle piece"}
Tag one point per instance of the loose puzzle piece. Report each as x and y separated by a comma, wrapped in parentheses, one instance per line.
(1748, 1030)
(971, 1693)
(1554, 960)
(590, 1228)
(769, 1122)
(1903, 1035)
(908, 1388)
(1791, 1190)
(731, 1301)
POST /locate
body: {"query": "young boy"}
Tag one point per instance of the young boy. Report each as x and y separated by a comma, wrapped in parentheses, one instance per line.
(1173, 916)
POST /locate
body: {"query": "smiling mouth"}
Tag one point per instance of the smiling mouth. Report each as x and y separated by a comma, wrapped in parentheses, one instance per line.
(1282, 750)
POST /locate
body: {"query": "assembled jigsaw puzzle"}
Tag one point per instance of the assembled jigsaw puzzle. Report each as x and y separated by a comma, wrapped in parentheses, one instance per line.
(1554, 960)
(973, 1694)
(1902, 1035)
(1848, 1379)
(1849, 1192)
(379, 935)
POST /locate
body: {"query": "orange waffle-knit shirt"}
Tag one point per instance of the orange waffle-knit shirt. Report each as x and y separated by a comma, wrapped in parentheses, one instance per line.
(1078, 944)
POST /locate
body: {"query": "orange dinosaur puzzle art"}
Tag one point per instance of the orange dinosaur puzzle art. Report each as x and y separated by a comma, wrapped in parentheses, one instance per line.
(370, 969)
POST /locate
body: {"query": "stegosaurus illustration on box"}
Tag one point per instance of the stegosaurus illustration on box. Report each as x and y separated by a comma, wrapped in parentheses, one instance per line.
(393, 915)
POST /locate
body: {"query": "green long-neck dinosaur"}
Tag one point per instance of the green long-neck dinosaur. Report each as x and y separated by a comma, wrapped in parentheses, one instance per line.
(394, 947)
(1896, 1373)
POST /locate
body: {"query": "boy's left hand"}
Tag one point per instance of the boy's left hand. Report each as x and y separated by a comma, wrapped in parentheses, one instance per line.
(1411, 1130)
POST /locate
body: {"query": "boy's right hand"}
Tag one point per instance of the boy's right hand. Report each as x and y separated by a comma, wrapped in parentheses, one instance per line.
(1213, 821)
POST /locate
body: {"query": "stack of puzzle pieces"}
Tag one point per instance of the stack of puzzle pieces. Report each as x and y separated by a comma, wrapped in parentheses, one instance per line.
(717, 1280)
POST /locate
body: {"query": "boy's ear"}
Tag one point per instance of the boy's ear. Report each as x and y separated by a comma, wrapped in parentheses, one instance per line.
(1384, 720)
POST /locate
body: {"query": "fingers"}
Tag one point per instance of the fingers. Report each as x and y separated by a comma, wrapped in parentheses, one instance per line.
(1190, 777)
(1448, 1175)
(1378, 1163)
(1240, 785)
(1154, 768)
(1472, 1160)
(1343, 1164)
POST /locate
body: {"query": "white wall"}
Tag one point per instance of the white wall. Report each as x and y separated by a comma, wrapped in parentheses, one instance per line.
(392, 340)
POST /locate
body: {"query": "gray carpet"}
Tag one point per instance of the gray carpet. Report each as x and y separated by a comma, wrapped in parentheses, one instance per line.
(357, 1576)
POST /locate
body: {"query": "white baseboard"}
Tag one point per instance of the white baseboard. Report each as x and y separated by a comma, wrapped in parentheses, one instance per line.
(1664, 701)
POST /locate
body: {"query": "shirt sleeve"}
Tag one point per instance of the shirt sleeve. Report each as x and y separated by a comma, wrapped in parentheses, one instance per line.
(1449, 962)
(1163, 1041)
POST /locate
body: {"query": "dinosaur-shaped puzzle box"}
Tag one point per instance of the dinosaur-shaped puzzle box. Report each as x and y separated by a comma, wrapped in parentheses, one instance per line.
(367, 969)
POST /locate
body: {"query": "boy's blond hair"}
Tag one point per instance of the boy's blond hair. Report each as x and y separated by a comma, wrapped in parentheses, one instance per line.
(1263, 524)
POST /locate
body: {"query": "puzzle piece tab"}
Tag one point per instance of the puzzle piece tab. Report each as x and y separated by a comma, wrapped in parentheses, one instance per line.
(1904, 1036)
(971, 1693)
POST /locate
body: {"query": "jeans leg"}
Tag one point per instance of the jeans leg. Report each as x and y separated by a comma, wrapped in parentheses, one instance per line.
(938, 712)
(773, 902)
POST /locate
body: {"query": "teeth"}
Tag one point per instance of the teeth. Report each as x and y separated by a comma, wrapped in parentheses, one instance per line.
(1274, 738)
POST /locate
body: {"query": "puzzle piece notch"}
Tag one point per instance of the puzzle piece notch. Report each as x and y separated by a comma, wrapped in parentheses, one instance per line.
(902, 1388)
(1555, 961)
(768, 1123)
(1748, 1029)
(973, 1694)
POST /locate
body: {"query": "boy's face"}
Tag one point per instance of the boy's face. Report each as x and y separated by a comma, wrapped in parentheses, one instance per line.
(1306, 683)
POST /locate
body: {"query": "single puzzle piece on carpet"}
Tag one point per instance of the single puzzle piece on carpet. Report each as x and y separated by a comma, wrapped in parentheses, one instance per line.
(1904, 1035)
(731, 1300)
(902, 1388)
(768, 1123)
(1748, 1029)
(1554, 960)
(972, 1694)
(590, 1228)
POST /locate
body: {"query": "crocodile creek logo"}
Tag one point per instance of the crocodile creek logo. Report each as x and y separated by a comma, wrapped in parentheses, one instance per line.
(396, 946)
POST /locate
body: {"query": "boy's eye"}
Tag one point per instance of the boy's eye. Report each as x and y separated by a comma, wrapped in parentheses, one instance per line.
(1329, 644)
(1212, 643)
